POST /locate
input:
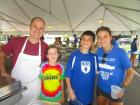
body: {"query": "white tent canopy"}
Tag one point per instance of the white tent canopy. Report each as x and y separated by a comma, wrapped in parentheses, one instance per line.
(71, 15)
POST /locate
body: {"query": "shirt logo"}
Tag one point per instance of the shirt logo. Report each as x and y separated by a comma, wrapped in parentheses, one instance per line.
(85, 66)
(106, 74)
(106, 66)
(51, 77)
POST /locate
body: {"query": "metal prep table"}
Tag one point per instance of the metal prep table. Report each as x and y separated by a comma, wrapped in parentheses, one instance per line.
(10, 94)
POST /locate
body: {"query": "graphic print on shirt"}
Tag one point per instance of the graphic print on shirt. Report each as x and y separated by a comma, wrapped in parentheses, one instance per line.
(51, 85)
(85, 66)
(106, 70)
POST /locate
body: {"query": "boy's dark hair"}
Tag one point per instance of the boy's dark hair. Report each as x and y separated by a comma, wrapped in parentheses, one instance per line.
(88, 33)
(103, 28)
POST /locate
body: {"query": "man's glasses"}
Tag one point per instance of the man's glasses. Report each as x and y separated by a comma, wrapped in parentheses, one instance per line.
(103, 58)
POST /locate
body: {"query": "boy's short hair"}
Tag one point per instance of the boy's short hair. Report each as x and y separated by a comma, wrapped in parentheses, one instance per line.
(52, 46)
(88, 33)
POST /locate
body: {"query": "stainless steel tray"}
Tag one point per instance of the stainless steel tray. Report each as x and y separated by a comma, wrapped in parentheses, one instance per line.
(10, 90)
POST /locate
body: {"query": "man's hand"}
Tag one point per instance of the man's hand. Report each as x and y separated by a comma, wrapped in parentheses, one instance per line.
(4, 73)
(2, 65)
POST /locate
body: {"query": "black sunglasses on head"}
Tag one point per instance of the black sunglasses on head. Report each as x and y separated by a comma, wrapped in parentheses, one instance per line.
(103, 58)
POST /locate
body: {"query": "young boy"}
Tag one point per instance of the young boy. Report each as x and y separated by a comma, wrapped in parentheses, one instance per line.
(80, 72)
(52, 74)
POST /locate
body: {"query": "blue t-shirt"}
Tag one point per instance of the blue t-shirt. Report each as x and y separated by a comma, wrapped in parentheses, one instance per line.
(112, 71)
(82, 75)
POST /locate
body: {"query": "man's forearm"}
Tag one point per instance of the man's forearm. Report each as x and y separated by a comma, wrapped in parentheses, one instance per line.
(2, 63)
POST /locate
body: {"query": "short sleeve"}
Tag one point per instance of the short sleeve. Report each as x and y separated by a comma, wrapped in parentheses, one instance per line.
(96, 63)
(8, 48)
(69, 65)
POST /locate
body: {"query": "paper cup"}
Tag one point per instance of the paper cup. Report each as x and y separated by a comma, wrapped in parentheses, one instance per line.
(115, 91)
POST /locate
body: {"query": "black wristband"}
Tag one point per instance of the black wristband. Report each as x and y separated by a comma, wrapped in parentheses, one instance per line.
(123, 86)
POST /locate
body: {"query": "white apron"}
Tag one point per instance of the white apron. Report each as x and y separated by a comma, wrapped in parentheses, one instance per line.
(27, 71)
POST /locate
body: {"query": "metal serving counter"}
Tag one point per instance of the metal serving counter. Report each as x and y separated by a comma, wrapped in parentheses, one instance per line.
(12, 100)
(10, 93)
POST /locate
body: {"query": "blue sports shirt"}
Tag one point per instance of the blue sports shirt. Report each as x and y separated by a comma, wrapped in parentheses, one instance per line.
(82, 75)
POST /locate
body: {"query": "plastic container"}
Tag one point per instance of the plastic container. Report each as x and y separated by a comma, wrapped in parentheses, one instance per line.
(115, 90)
